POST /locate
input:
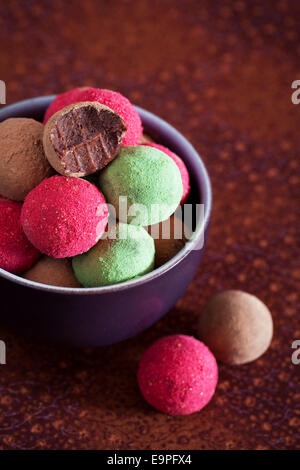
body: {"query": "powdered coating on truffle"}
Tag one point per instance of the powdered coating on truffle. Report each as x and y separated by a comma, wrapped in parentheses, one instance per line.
(115, 101)
(236, 326)
(54, 272)
(125, 253)
(23, 164)
(178, 375)
(62, 100)
(16, 252)
(83, 138)
(145, 139)
(147, 177)
(181, 166)
(63, 216)
(169, 238)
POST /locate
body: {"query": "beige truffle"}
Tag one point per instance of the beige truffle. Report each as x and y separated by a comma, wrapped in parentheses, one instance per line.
(83, 138)
(54, 272)
(23, 164)
(169, 238)
(236, 326)
(145, 138)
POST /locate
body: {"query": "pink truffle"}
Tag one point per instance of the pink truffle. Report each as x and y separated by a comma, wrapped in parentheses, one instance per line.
(16, 252)
(178, 375)
(181, 166)
(61, 101)
(115, 101)
(64, 216)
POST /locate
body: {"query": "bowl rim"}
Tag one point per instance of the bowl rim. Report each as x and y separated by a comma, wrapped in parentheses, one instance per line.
(162, 127)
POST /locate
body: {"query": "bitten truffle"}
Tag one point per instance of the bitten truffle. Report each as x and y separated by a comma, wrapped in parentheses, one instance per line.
(148, 178)
(83, 138)
(178, 375)
(236, 326)
(63, 216)
(54, 272)
(62, 100)
(169, 238)
(115, 101)
(23, 164)
(126, 252)
(16, 252)
(181, 166)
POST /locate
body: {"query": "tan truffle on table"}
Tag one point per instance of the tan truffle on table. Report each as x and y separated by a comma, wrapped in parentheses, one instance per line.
(54, 272)
(170, 237)
(23, 164)
(236, 326)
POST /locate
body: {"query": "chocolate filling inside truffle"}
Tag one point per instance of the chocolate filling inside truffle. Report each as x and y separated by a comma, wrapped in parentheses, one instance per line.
(86, 139)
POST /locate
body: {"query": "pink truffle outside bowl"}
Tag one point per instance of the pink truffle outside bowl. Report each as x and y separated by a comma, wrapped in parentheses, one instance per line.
(105, 315)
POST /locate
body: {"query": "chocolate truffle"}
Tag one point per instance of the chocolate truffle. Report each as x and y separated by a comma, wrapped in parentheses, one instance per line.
(178, 375)
(181, 167)
(54, 272)
(62, 100)
(83, 138)
(63, 216)
(23, 164)
(236, 326)
(145, 139)
(126, 252)
(148, 178)
(115, 101)
(169, 238)
(16, 252)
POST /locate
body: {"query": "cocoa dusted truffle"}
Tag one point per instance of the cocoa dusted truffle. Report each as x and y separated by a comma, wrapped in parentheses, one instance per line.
(169, 238)
(145, 139)
(23, 164)
(54, 272)
(236, 326)
(83, 138)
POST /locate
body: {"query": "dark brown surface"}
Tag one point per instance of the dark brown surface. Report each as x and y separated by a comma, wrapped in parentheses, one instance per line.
(221, 72)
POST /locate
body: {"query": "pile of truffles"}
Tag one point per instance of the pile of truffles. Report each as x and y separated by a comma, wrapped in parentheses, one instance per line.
(61, 183)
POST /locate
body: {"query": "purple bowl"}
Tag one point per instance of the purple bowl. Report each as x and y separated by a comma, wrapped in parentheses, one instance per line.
(105, 315)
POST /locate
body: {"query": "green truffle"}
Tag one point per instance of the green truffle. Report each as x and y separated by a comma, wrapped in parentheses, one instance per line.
(149, 179)
(126, 252)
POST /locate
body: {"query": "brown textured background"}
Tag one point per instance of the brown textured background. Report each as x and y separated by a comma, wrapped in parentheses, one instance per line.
(221, 72)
